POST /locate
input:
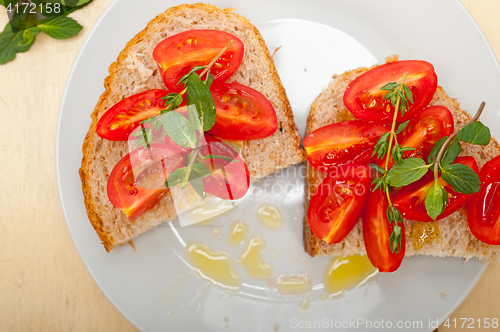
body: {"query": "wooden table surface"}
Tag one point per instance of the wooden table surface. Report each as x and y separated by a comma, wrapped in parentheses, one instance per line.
(44, 285)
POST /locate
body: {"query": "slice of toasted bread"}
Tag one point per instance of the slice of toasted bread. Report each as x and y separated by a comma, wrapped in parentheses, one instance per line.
(134, 71)
(455, 238)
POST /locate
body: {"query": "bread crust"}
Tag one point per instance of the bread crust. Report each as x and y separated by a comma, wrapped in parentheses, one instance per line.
(455, 237)
(135, 71)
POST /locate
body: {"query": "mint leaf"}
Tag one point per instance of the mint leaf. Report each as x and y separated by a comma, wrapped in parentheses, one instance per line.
(435, 150)
(451, 153)
(462, 178)
(61, 27)
(436, 200)
(177, 177)
(179, 129)
(200, 168)
(406, 172)
(194, 117)
(199, 95)
(475, 133)
(197, 184)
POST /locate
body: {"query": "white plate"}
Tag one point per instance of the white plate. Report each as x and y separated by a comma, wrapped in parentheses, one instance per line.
(155, 289)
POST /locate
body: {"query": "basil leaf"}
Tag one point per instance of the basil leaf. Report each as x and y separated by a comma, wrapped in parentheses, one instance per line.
(199, 95)
(451, 153)
(475, 133)
(179, 129)
(406, 172)
(435, 150)
(176, 177)
(436, 200)
(462, 178)
(200, 168)
(402, 126)
(61, 27)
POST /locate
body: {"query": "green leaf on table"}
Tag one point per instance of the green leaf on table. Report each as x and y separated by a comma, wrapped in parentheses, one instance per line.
(462, 178)
(199, 95)
(435, 150)
(451, 153)
(406, 172)
(474, 133)
(15, 42)
(61, 27)
(436, 200)
(179, 129)
(402, 126)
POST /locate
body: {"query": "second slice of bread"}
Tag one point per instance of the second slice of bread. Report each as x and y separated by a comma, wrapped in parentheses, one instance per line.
(455, 238)
(134, 71)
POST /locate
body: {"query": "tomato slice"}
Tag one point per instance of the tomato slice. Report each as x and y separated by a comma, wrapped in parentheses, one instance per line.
(178, 54)
(348, 142)
(423, 131)
(364, 98)
(242, 113)
(483, 211)
(122, 118)
(410, 200)
(230, 178)
(147, 168)
(376, 234)
(338, 202)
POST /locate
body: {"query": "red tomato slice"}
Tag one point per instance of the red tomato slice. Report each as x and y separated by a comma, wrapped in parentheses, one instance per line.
(423, 131)
(122, 188)
(338, 202)
(230, 179)
(122, 118)
(483, 211)
(348, 142)
(410, 200)
(376, 233)
(364, 98)
(179, 53)
(242, 113)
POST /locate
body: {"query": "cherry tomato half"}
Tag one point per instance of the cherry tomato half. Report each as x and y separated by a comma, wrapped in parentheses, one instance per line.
(146, 167)
(179, 53)
(364, 98)
(123, 117)
(230, 178)
(338, 202)
(423, 131)
(410, 200)
(348, 142)
(376, 234)
(483, 211)
(242, 113)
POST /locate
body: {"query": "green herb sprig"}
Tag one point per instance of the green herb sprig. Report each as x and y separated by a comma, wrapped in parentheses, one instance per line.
(26, 23)
(408, 170)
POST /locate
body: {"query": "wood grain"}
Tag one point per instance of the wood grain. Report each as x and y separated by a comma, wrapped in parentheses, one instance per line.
(43, 283)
